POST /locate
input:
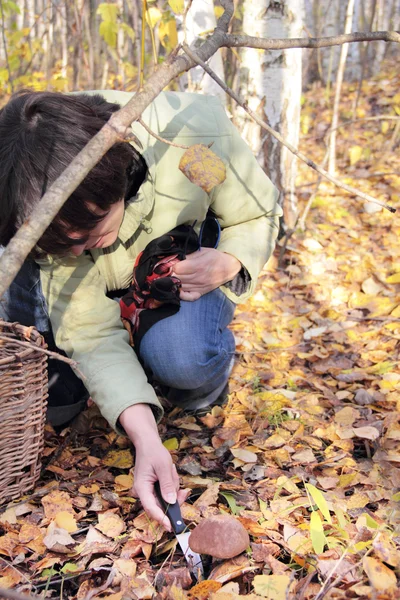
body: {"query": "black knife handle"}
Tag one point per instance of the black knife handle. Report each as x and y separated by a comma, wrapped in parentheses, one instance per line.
(173, 511)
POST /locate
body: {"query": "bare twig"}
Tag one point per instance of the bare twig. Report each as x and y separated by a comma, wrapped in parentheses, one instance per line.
(72, 363)
(158, 137)
(115, 129)
(241, 41)
(280, 139)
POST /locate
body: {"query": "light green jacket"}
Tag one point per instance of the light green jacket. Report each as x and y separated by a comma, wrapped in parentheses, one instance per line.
(86, 323)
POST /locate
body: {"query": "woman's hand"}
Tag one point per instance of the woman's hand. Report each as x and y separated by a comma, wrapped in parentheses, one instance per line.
(204, 271)
(153, 463)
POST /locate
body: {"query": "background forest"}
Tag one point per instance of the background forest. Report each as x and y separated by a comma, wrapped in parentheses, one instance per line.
(306, 454)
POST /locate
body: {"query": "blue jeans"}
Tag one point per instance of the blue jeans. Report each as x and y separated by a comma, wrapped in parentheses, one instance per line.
(191, 352)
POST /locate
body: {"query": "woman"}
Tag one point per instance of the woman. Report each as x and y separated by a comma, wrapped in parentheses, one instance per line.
(135, 195)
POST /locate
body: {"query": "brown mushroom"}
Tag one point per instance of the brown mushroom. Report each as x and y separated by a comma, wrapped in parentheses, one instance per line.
(221, 536)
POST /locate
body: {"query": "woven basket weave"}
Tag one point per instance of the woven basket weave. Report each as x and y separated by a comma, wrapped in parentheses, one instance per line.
(23, 402)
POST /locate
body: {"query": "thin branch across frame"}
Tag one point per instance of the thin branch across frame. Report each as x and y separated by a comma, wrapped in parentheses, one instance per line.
(280, 139)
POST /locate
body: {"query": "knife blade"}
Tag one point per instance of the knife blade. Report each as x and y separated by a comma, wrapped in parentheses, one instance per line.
(173, 513)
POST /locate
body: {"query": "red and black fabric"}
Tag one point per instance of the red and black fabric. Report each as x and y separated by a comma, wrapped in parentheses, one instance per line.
(153, 286)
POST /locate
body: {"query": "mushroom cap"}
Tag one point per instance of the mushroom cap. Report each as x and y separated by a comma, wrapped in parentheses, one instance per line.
(221, 536)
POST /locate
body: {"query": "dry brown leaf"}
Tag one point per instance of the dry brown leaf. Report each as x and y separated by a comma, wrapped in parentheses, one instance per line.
(8, 543)
(58, 540)
(244, 455)
(120, 459)
(96, 543)
(31, 536)
(208, 497)
(56, 502)
(203, 167)
(10, 577)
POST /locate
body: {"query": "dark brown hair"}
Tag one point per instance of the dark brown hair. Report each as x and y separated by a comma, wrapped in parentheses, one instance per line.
(40, 134)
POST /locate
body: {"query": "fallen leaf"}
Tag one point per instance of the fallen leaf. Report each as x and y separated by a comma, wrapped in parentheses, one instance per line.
(123, 482)
(245, 455)
(273, 587)
(110, 524)
(121, 459)
(89, 489)
(66, 521)
(304, 456)
(380, 577)
(96, 543)
(58, 540)
(367, 432)
(56, 502)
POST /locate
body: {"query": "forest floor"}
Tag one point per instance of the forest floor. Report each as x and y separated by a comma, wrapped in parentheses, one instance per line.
(305, 455)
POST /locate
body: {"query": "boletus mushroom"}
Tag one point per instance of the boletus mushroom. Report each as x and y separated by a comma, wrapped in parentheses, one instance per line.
(221, 536)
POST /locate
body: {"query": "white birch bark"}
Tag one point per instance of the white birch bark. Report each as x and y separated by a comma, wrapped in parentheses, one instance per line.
(200, 19)
(271, 83)
(338, 89)
(64, 42)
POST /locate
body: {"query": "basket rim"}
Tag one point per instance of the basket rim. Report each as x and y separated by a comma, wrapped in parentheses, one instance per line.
(28, 334)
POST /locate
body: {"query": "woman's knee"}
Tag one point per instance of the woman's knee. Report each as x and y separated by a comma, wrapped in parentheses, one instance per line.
(190, 364)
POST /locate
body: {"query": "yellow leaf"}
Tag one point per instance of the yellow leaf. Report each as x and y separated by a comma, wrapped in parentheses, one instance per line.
(203, 167)
(121, 459)
(393, 278)
(110, 524)
(168, 34)
(218, 11)
(153, 15)
(380, 576)
(319, 500)
(355, 153)
(66, 521)
(317, 533)
(171, 444)
(273, 587)
(177, 6)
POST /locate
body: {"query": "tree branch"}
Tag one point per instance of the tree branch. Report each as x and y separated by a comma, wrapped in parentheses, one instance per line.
(280, 139)
(241, 41)
(114, 130)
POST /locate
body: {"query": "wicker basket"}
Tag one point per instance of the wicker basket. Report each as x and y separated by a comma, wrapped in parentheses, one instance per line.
(23, 402)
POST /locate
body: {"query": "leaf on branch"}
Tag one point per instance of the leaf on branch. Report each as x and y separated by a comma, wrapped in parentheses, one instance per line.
(108, 11)
(153, 15)
(203, 167)
(108, 32)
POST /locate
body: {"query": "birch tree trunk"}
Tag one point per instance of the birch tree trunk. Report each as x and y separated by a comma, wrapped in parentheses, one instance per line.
(271, 82)
(201, 19)
(338, 89)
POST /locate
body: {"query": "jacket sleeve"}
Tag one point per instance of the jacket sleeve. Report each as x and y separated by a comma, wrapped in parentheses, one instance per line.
(87, 326)
(246, 204)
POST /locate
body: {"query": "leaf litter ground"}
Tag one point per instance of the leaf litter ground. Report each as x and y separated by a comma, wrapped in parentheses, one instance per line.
(305, 454)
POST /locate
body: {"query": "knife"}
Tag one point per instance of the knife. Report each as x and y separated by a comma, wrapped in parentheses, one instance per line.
(173, 513)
